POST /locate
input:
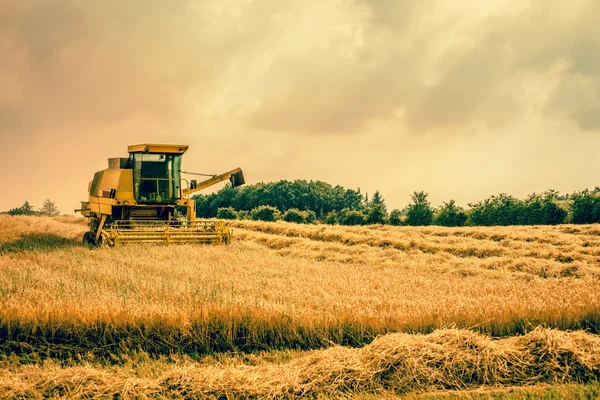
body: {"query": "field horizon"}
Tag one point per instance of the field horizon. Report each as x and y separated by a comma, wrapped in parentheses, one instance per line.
(462, 307)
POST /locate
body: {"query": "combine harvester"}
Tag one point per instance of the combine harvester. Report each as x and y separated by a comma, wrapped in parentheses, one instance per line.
(134, 200)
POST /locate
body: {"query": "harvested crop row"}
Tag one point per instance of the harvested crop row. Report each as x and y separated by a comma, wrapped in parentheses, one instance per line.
(546, 265)
(401, 363)
(60, 298)
(544, 243)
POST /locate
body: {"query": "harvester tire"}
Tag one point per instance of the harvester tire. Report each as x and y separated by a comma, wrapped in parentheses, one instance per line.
(89, 239)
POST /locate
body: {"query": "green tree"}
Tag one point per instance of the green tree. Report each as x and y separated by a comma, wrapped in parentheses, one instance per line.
(395, 217)
(585, 207)
(265, 213)
(419, 212)
(351, 217)
(331, 218)
(316, 196)
(377, 200)
(295, 215)
(376, 211)
(497, 210)
(227, 213)
(449, 214)
(352, 199)
(49, 209)
(377, 214)
(542, 209)
(366, 202)
(311, 216)
(25, 209)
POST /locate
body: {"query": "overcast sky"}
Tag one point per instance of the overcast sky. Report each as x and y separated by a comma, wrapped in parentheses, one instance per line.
(460, 98)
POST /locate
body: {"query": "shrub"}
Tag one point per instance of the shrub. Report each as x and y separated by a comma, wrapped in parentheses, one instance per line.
(376, 215)
(243, 214)
(265, 213)
(295, 215)
(585, 208)
(331, 218)
(449, 214)
(502, 210)
(542, 209)
(25, 209)
(311, 216)
(227, 213)
(395, 217)
(419, 212)
(351, 217)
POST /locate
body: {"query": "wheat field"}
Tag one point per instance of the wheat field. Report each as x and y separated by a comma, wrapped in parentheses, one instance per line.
(297, 310)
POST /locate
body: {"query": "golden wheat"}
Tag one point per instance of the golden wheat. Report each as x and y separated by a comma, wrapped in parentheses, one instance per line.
(279, 286)
(282, 285)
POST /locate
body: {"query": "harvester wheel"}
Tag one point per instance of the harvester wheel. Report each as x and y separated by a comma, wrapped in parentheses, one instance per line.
(89, 239)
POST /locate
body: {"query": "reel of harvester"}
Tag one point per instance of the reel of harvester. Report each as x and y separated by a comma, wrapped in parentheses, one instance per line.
(135, 199)
(162, 232)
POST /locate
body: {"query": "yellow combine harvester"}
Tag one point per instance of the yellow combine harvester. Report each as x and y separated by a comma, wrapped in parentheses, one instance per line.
(134, 200)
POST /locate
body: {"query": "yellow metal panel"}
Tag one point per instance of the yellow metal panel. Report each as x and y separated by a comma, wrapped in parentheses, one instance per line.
(109, 180)
(158, 148)
(125, 189)
(100, 205)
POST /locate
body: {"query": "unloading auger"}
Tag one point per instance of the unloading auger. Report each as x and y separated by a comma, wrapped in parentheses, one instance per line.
(135, 199)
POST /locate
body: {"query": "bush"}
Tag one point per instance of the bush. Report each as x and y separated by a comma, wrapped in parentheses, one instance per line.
(497, 210)
(331, 218)
(243, 214)
(419, 212)
(351, 217)
(311, 216)
(25, 209)
(265, 213)
(295, 215)
(376, 215)
(449, 214)
(585, 208)
(227, 213)
(542, 209)
(395, 218)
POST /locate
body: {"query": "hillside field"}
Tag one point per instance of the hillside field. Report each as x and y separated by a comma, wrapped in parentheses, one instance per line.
(292, 310)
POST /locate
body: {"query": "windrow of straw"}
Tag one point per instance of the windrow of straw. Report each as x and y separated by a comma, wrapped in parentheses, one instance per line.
(564, 245)
(400, 363)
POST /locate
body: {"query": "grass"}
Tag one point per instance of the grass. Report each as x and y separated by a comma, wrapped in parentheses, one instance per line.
(281, 288)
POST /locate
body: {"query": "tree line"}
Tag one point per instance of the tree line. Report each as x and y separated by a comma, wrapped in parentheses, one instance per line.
(48, 209)
(310, 201)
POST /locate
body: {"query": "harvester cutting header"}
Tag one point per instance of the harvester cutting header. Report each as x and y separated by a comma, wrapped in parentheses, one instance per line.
(135, 199)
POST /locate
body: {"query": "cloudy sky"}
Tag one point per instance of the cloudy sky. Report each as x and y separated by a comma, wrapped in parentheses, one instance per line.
(460, 98)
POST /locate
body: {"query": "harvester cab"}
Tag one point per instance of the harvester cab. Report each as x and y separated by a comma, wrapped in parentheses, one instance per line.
(135, 200)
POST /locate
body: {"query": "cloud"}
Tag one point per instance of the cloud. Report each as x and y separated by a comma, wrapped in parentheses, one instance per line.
(407, 84)
(436, 69)
(84, 66)
(335, 68)
(75, 72)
